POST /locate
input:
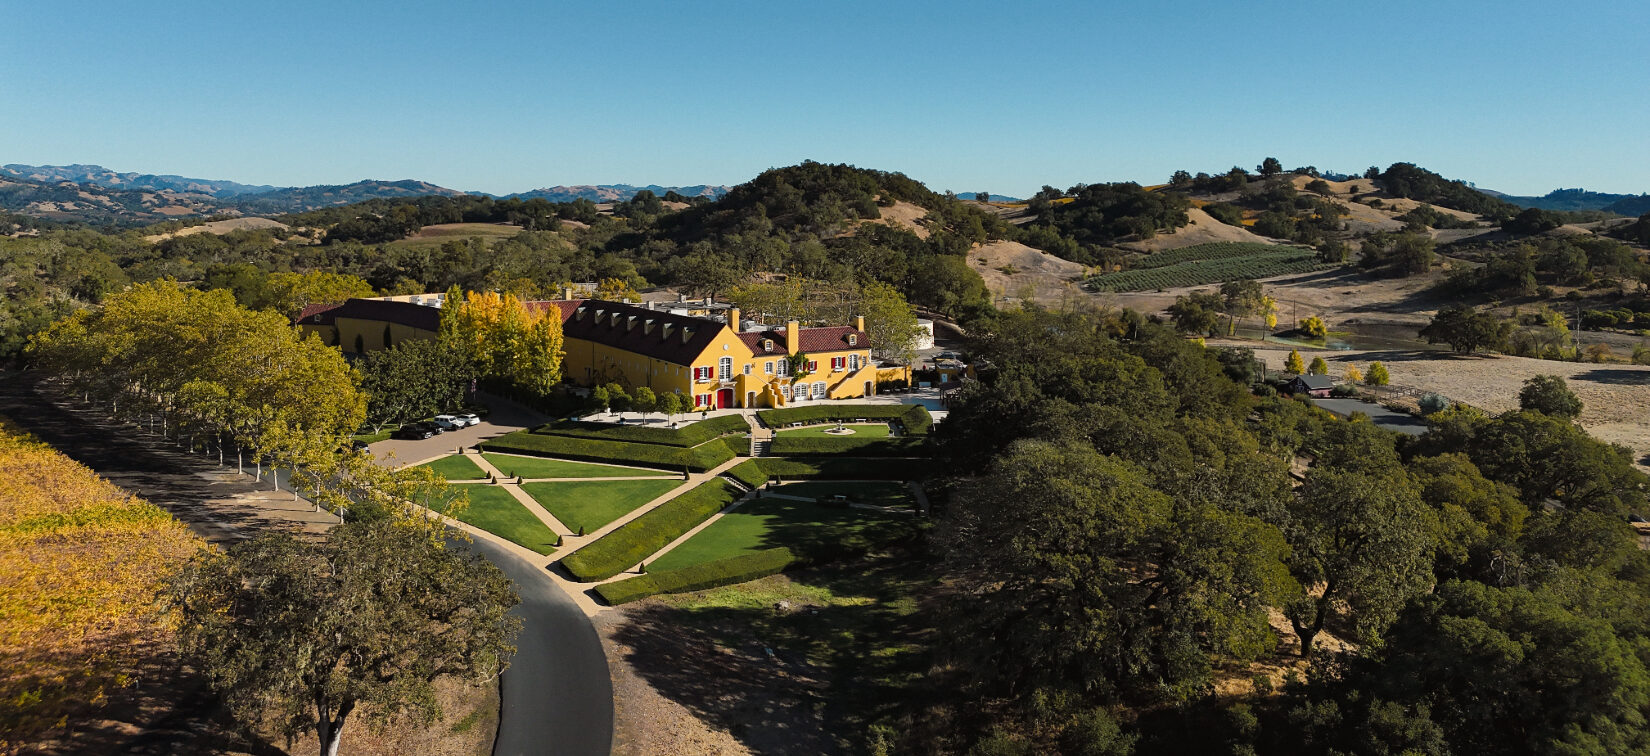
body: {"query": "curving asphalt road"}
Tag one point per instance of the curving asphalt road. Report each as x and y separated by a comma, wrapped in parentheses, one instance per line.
(557, 696)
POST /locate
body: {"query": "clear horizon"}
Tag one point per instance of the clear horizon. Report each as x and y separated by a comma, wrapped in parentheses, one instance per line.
(508, 98)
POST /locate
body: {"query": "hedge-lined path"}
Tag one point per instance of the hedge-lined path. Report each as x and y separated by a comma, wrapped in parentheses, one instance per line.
(635, 569)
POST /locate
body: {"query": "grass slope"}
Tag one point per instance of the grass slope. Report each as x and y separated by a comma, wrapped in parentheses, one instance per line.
(590, 505)
(539, 467)
(814, 532)
(456, 467)
(494, 510)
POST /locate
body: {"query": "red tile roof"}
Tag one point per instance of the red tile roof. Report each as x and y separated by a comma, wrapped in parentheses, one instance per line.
(567, 306)
(310, 311)
(809, 340)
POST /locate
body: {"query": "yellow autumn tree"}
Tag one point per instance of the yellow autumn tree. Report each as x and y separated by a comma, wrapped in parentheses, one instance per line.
(504, 339)
(1294, 364)
(1353, 375)
(200, 368)
(1377, 375)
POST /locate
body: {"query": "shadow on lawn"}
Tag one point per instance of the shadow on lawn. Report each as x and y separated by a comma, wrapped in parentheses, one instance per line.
(807, 679)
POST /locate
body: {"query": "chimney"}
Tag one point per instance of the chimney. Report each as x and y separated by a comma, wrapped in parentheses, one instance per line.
(733, 319)
(681, 297)
(567, 292)
(793, 333)
(859, 323)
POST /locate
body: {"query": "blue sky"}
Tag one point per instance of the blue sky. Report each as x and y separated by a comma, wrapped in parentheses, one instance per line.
(1522, 97)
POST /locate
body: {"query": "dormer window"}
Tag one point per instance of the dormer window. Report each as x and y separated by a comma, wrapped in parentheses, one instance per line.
(853, 339)
(767, 345)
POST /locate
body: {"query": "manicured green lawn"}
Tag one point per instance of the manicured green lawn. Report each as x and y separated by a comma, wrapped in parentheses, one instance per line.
(592, 504)
(539, 467)
(373, 438)
(876, 494)
(865, 430)
(456, 467)
(494, 510)
(811, 530)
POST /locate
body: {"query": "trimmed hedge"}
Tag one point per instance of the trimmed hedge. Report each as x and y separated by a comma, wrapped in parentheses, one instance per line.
(700, 576)
(639, 538)
(914, 417)
(691, 435)
(842, 468)
(801, 446)
(699, 458)
(749, 472)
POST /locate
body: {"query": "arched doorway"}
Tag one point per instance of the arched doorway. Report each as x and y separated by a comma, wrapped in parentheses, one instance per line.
(724, 398)
(750, 398)
(869, 388)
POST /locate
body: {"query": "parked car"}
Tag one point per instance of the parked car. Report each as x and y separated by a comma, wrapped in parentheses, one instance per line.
(358, 445)
(447, 423)
(414, 431)
(469, 419)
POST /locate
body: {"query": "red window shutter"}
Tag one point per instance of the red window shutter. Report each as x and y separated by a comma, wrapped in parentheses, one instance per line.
(813, 366)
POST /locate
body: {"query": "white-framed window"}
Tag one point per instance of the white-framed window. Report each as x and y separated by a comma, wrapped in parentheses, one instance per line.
(782, 368)
(702, 400)
(838, 363)
(701, 374)
(813, 366)
(747, 368)
(785, 391)
(819, 390)
(767, 344)
(724, 368)
(853, 362)
(853, 339)
(767, 367)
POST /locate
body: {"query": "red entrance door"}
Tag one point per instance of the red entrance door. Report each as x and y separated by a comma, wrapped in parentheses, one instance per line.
(724, 399)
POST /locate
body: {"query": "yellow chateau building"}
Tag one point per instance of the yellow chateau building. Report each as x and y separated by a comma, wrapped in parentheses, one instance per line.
(710, 359)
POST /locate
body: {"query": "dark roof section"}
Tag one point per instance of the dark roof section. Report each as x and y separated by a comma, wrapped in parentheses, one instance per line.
(831, 339)
(1316, 382)
(651, 333)
(387, 310)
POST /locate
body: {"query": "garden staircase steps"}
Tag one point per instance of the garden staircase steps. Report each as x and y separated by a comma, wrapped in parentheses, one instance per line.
(761, 437)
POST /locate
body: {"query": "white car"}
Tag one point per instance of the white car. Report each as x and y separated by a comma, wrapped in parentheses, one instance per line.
(448, 422)
(468, 419)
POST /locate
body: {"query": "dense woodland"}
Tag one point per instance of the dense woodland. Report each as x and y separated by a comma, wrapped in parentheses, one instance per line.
(1135, 532)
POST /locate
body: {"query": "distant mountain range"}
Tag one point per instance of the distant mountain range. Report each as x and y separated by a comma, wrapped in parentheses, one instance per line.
(94, 194)
(617, 192)
(1581, 199)
(100, 176)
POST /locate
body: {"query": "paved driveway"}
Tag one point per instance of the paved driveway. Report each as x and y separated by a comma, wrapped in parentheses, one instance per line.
(506, 417)
(1381, 416)
(557, 694)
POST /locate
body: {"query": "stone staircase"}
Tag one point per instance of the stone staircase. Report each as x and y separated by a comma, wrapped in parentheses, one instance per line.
(761, 436)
